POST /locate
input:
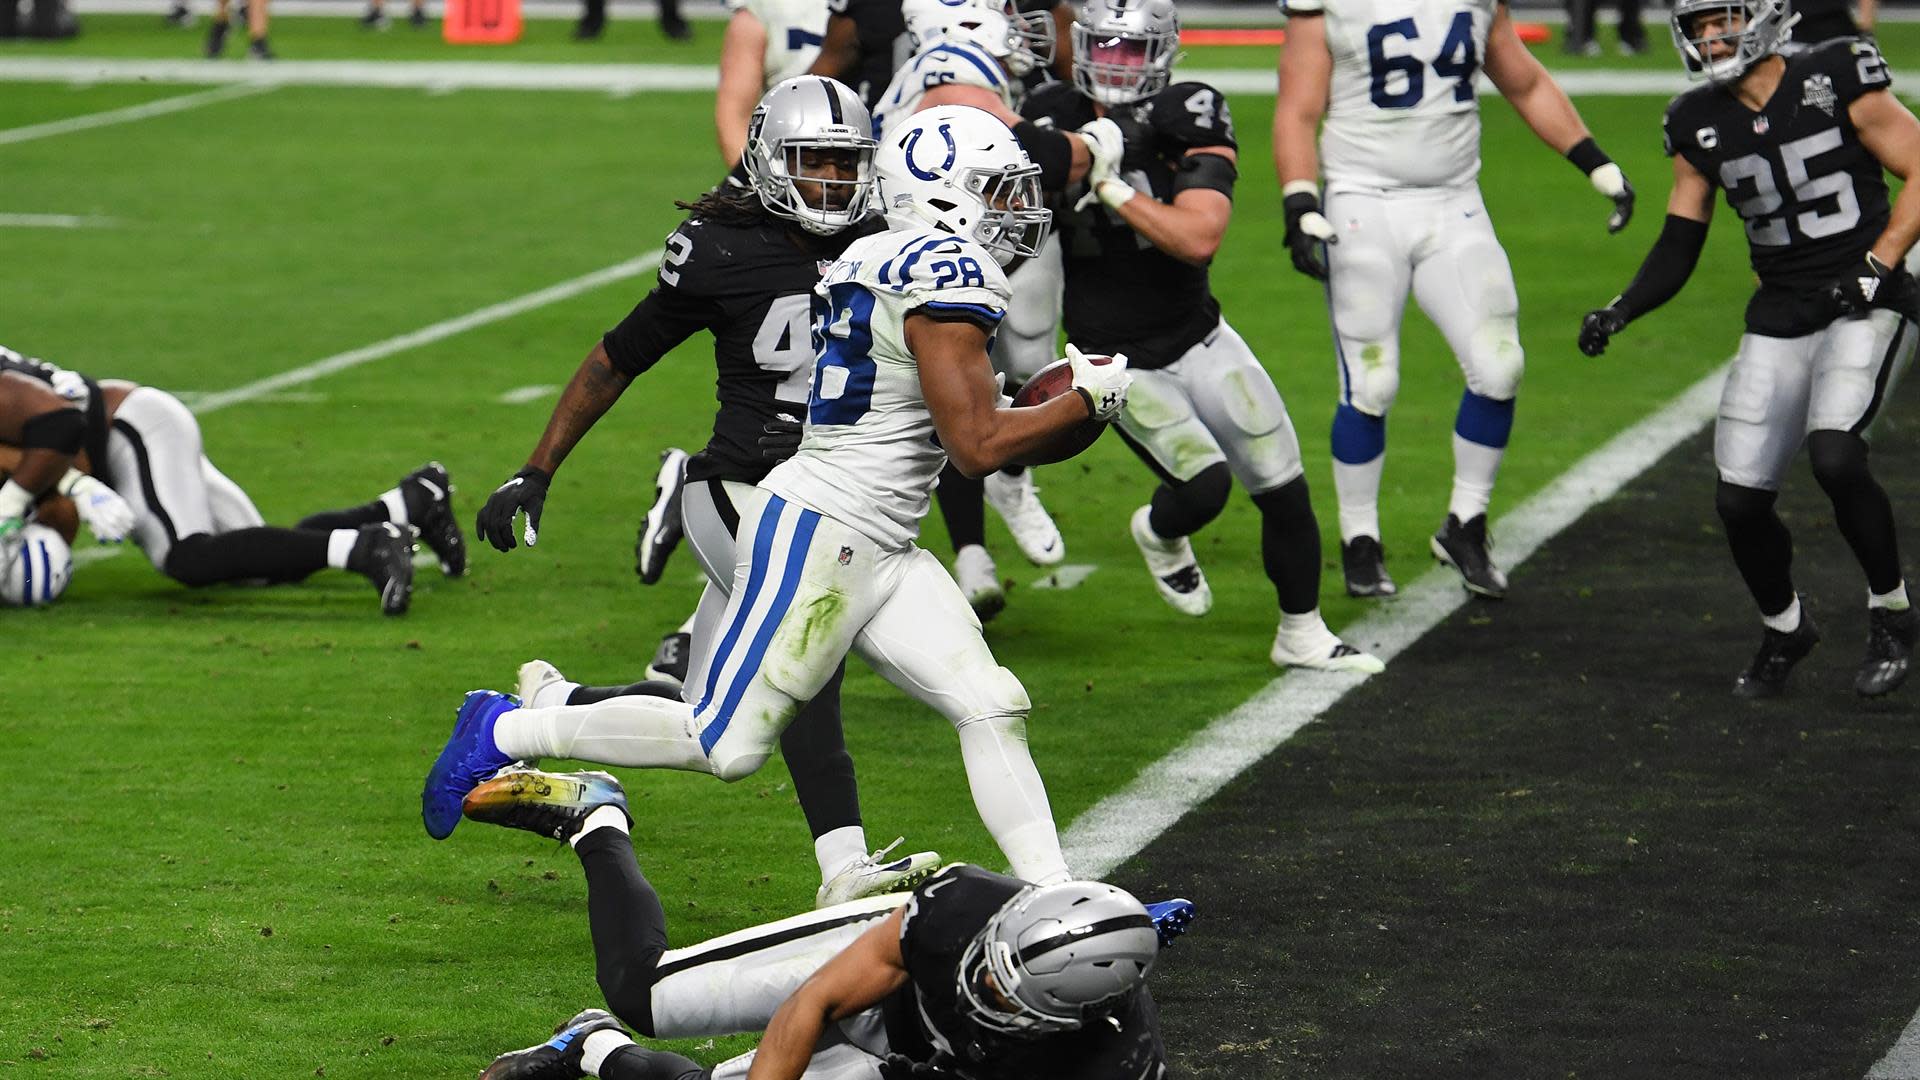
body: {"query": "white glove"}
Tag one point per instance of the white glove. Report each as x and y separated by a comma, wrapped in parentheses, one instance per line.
(1608, 180)
(15, 501)
(1105, 385)
(107, 515)
(1106, 146)
(1005, 400)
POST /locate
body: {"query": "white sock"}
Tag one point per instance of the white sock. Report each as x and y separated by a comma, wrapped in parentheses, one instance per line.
(1893, 600)
(1306, 625)
(838, 849)
(553, 693)
(1358, 488)
(340, 545)
(687, 627)
(602, 817)
(396, 506)
(1474, 469)
(598, 1047)
(1787, 621)
(639, 732)
(1011, 799)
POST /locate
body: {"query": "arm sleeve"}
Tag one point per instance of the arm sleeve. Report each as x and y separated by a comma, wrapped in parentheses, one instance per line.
(1210, 171)
(1666, 267)
(1049, 150)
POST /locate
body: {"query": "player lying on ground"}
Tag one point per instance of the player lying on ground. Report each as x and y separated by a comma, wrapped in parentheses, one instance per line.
(1799, 144)
(197, 526)
(977, 976)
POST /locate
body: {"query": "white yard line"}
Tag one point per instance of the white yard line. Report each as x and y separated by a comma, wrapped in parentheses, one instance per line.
(132, 113)
(53, 221)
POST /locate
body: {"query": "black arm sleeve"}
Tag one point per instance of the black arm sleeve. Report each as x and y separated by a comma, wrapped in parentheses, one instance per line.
(1210, 171)
(658, 323)
(1666, 268)
(1050, 150)
(62, 430)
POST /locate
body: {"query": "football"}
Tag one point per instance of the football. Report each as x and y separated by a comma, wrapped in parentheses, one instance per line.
(1048, 383)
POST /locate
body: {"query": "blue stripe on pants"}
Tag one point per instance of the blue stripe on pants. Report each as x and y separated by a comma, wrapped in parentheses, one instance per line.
(762, 548)
(757, 652)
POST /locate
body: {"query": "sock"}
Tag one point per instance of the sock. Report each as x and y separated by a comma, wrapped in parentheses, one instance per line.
(1787, 621)
(598, 1047)
(1185, 508)
(628, 924)
(963, 506)
(1010, 797)
(1290, 545)
(395, 502)
(340, 545)
(352, 517)
(1480, 432)
(1762, 546)
(1305, 625)
(1359, 457)
(636, 1062)
(602, 817)
(839, 849)
(262, 553)
(593, 695)
(1894, 600)
(815, 750)
(638, 732)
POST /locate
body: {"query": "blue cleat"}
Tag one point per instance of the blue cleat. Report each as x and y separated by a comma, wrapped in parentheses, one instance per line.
(1171, 919)
(468, 758)
(559, 1057)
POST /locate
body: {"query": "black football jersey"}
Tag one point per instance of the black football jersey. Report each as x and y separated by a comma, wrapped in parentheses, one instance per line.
(1823, 20)
(926, 1027)
(884, 44)
(752, 286)
(1122, 293)
(1812, 197)
(96, 406)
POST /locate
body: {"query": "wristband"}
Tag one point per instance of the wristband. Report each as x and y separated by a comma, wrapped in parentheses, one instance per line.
(1587, 156)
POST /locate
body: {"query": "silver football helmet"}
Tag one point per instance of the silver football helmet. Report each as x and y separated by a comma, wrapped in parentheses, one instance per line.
(812, 130)
(1755, 28)
(1123, 50)
(1055, 957)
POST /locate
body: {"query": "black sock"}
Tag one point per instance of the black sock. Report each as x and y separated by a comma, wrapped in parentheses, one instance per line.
(256, 554)
(641, 1063)
(1290, 545)
(591, 695)
(1182, 509)
(596, 12)
(963, 505)
(1860, 505)
(815, 749)
(352, 517)
(1762, 546)
(629, 925)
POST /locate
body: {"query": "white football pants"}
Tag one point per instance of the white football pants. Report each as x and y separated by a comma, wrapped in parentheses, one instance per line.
(1215, 403)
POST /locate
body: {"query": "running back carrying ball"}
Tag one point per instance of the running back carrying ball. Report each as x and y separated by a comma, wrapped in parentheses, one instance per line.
(1048, 383)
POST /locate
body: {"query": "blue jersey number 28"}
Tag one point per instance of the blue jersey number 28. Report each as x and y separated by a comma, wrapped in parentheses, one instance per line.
(1458, 59)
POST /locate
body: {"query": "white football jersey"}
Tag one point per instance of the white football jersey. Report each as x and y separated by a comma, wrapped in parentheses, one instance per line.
(1401, 107)
(942, 62)
(795, 29)
(870, 456)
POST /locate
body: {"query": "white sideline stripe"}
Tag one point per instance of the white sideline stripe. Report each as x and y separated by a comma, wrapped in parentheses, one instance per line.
(133, 112)
(97, 554)
(1065, 576)
(525, 394)
(53, 221)
(427, 335)
(1903, 1061)
(1120, 825)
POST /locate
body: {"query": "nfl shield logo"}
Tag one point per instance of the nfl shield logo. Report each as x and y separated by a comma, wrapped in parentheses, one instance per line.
(1760, 125)
(846, 556)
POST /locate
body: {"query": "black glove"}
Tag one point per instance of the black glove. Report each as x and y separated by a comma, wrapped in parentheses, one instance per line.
(780, 438)
(1855, 292)
(527, 492)
(1598, 326)
(1308, 233)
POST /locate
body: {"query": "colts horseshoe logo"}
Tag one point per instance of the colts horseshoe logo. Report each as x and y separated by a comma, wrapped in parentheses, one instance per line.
(953, 151)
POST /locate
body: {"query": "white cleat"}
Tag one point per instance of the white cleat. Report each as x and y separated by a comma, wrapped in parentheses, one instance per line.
(980, 580)
(877, 875)
(536, 677)
(1017, 502)
(1176, 573)
(1320, 650)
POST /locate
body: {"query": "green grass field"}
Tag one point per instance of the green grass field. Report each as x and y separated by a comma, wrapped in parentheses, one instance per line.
(214, 864)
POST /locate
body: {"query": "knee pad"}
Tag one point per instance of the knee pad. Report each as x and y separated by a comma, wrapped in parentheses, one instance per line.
(1497, 361)
(733, 765)
(1373, 378)
(1839, 459)
(1738, 505)
(1251, 401)
(190, 561)
(999, 702)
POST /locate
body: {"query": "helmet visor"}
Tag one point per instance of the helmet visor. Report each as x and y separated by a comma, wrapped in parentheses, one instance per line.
(1117, 68)
(1015, 220)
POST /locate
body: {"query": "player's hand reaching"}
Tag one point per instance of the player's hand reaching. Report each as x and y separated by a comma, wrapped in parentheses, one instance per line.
(1608, 180)
(1308, 231)
(1106, 146)
(1600, 326)
(780, 438)
(1104, 386)
(526, 492)
(107, 515)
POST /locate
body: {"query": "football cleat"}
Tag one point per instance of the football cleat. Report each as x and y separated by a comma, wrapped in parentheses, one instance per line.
(384, 554)
(469, 757)
(876, 875)
(660, 532)
(1365, 564)
(258, 49)
(1766, 676)
(1176, 573)
(535, 677)
(551, 804)
(980, 580)
(374, 19)
(179, 16)
(217, 37)
(1890, 637)
(1465, 546)
(1017, 502)
(1320, 650)
(559, 1057)
(418, 20)
(428, 492)
(670, 660)
(1171, 919)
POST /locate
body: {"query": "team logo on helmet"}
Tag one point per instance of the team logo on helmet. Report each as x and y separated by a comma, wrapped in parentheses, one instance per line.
(913, 139)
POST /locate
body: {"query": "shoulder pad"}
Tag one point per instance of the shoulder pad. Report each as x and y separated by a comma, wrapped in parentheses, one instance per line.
(1689, 123)
(1848, 67)
(944, 62)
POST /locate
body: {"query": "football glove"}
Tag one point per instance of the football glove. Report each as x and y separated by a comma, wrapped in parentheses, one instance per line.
(1103, 385)
(107, 515)
(1598, 327)
(1608, 180)
(1308, 232)
(15, 501)
(526, 492)
(1106, 146)
(1854, 293)
(780, 439)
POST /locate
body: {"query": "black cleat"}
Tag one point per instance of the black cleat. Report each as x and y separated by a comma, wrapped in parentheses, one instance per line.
(589, 29)
(1766, 676)
(676, 28)
(217, 38)
(551, 804)
(374, 19)
(559, 1057)
(418, 20)
(428, 492)
(660, 533)
(260, 50)
(384, 553)
(1890, 637)
(1464, 547)
(1366, 568)
(180, 17)
(670, 660)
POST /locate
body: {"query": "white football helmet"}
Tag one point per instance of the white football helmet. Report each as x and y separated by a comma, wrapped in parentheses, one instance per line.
(811, 117)
(1054, 957)
(1123, 50)
(960, 170)
(35, 566)
(1021, 40)
(1763, 28)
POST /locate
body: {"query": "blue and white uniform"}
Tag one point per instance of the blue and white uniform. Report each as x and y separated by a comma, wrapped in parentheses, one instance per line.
(942, 61)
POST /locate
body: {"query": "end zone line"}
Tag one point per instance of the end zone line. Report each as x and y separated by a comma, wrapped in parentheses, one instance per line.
(1120, 825)
(132, 112)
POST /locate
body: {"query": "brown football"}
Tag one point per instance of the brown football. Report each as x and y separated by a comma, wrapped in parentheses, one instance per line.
(1048, 383)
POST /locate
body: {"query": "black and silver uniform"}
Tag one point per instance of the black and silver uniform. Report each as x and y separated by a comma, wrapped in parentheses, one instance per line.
(1122, 293)
(885, 44)
(1812, 197)
(752, 286)
(96, 405)
(925, 1027)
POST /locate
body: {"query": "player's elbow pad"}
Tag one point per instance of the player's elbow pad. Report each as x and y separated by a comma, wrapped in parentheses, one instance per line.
(1050, 150)
(1667, 266)
(62, 430)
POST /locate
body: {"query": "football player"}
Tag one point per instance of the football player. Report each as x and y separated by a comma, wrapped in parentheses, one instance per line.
(1136, 248)
(1800, 144)
(743, 265)
(197, 526)
(767, 42)
(1400, 153)
(977, 976)
(867, 41)
(901, 381)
